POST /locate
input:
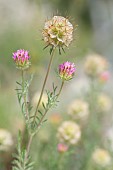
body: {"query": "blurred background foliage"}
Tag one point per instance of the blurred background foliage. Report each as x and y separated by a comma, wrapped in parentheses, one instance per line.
(21, 24)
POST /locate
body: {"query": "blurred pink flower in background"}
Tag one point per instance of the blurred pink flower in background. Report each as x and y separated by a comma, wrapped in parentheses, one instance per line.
(62, 147)
(105, 76)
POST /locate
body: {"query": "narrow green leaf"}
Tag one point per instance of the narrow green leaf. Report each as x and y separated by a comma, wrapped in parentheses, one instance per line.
(18, 83)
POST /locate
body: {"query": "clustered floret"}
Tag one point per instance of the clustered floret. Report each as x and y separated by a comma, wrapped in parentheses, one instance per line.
(21, 58)
(58, 31)
(66, 70)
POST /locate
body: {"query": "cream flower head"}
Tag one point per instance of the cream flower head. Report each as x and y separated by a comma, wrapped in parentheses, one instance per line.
(101, 157)
(58, 31)
(95, 65)
(104, 103)
(6, 140)
(78, 109)
(69, 133)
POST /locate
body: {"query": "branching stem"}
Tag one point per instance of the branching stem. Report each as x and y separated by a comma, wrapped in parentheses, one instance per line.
(41, 120)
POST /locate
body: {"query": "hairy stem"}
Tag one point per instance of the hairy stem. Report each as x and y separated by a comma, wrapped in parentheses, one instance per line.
(29, 145)
(24, 96)
(60, 88)
(48, 69)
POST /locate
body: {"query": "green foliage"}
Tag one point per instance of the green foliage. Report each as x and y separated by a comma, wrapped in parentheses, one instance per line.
(52, 98)
(33, 122)
(37, 120)
(21, 161)
(22, 93)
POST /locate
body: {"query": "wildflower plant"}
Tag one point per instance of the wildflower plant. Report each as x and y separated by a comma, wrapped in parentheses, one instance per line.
(96, 70)
(57, 32)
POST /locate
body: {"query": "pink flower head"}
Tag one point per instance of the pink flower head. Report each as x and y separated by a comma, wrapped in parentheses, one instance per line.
(104, 76)
(62, 148)
(66, 70)
(21, 58)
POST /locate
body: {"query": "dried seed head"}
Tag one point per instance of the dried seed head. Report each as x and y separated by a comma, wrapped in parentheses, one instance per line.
(58, 32)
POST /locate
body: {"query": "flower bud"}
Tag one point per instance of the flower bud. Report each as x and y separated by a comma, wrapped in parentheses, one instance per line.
(66, 70)
(21, 58)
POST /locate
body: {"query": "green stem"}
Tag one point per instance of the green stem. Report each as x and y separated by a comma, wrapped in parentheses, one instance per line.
(60, 162)
(49, 66)
(60, 88)
(29, 145)
(24, 96)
